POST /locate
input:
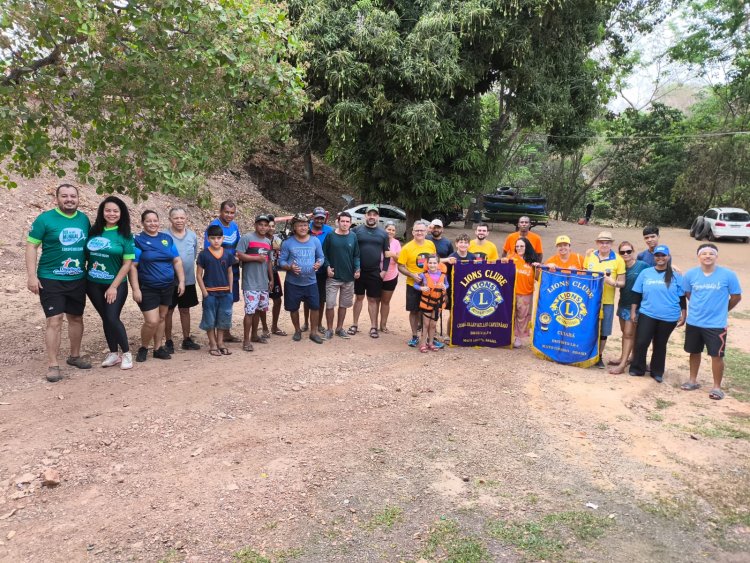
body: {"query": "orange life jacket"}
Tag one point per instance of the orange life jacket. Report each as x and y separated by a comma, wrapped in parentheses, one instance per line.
(434, 298)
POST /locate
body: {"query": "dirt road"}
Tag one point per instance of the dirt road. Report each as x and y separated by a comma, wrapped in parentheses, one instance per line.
(366, 450)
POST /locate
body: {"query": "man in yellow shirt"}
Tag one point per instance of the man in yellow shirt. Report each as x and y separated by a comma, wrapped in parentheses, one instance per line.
(481, 247)
(524, 230)
(608, 262)
(411, 263)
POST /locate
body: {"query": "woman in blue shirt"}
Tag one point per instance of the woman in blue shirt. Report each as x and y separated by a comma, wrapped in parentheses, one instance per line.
(660, 293)
(157, 263)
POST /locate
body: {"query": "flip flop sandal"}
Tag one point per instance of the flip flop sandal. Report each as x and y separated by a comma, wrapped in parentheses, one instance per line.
(214, 352)
(225, 351)
(231, 338)
(260, 340)
(716, 394)
(424, 348)
(690, 386)
(352, 330)
(81, 362)
(279, 332)
(384, 330)
(247, 347)
(374, 333)
(54, 374)
(265, 334)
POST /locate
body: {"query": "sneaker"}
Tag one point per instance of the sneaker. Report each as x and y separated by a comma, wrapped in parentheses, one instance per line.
(161, 354)
(328, 335)
(437, 344)
(112, 359)
(127, 361)
(413, 342)
(316, 338)
(341, 333)
(297, 336)
(321, 330)
(600, 364)
(657, 378)
(142, 354)
(169, 346)
(190, 344)
(305, 328)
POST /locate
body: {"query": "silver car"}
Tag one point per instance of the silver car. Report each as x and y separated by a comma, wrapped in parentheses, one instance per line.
(387, 213)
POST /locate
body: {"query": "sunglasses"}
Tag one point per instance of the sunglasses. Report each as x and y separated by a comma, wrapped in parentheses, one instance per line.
(626, 252)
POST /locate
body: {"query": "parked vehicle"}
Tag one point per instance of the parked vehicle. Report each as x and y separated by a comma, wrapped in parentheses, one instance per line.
(508, 204)
(722, 222)
(447, 215)
(387, 213)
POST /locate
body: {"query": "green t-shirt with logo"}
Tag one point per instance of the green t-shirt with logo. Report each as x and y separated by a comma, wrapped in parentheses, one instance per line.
(105, 254)
(63, 238)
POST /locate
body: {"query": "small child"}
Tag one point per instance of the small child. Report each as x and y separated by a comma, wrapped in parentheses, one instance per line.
(214, 277)
(433, 286)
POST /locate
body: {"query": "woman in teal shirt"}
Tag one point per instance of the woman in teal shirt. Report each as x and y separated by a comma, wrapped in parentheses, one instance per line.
(109, 253)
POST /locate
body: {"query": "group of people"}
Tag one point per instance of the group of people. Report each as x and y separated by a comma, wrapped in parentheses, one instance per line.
(329, 270)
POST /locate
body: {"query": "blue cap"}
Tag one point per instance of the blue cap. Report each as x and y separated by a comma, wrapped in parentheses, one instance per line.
(662, 249)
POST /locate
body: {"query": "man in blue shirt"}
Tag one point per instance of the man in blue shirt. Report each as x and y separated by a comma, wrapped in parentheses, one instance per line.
(443, 246)
(712, 292)
(301, 257)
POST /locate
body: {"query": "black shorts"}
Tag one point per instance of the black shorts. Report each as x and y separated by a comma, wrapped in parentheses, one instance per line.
(58, 297)
(390, 285)
(369, 283)
(321, 278)
(276, 292)
(296, 294)
(188, 299)
(713, 339)
(413, 297)
(152, 298)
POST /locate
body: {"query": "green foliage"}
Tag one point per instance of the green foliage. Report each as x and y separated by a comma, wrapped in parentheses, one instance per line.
(141, 96)
(738, 373)
(405, 88)
(447, 543)
(386, 518)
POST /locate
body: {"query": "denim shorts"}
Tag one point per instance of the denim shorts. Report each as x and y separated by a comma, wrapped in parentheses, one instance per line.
(624, 313)
(608, 316)
(217, 311)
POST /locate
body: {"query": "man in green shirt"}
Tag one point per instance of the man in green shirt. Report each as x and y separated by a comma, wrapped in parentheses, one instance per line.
(60, 277)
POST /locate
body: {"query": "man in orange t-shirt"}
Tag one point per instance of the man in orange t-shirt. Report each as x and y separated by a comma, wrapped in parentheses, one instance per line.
(565, 259)
(524, 226)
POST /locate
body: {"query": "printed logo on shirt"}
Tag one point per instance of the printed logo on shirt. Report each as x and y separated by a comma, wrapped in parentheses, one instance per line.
(422, 259)
(164, 242)
(69, 267)
(99, 271)
(98, 243)
(71, 235)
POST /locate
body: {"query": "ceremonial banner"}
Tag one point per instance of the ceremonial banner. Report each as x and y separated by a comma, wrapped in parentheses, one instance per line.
(566, 317)
(482, 307)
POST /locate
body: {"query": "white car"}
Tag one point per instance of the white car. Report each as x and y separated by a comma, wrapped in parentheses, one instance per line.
(721, 222)
(387, 213)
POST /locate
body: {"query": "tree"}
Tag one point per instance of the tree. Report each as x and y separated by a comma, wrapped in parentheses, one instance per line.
(399, 85)
(141, 95)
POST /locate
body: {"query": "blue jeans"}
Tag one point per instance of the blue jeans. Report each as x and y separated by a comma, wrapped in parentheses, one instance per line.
(217, 311)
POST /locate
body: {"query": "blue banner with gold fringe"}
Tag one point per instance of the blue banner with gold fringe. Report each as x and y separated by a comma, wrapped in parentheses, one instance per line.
(482, 306)
(566, 317)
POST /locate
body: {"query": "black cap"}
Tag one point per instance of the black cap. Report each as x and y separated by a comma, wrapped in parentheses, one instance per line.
(263, 217)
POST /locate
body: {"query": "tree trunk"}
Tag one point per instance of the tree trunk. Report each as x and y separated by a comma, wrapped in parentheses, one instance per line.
(307, 159)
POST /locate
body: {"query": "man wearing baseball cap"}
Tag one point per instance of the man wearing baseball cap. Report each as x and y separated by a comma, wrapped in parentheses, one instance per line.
(319, 230)
(712, 292)
(254, 253)
(565, 259)
(443, 246)
(608, 262)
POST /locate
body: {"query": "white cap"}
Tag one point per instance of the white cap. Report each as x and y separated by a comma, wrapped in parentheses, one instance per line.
(436, 223)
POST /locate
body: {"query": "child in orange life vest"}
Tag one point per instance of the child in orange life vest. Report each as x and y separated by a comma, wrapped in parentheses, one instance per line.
(434, 286)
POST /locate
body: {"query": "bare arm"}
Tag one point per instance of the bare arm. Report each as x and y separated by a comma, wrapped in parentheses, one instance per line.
(733, 300)
(178, 269)
(134, 284)
(32, 282)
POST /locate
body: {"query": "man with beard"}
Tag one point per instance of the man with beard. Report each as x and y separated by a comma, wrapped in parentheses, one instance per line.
(59, 279)
(524, 230)
(443, 246)
(480, 247)
(411, 263)
(373, 245)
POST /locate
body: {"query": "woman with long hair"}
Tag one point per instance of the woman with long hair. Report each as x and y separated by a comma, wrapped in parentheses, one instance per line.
(633, 268)
(524, 257)
(109, 254)
(390, 280)
(156, 265)
(660, 293)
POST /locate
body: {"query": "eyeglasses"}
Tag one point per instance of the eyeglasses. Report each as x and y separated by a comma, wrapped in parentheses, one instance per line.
(626, 252)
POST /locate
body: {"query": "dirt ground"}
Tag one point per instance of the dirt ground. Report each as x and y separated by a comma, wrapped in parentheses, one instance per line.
(363, 449)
